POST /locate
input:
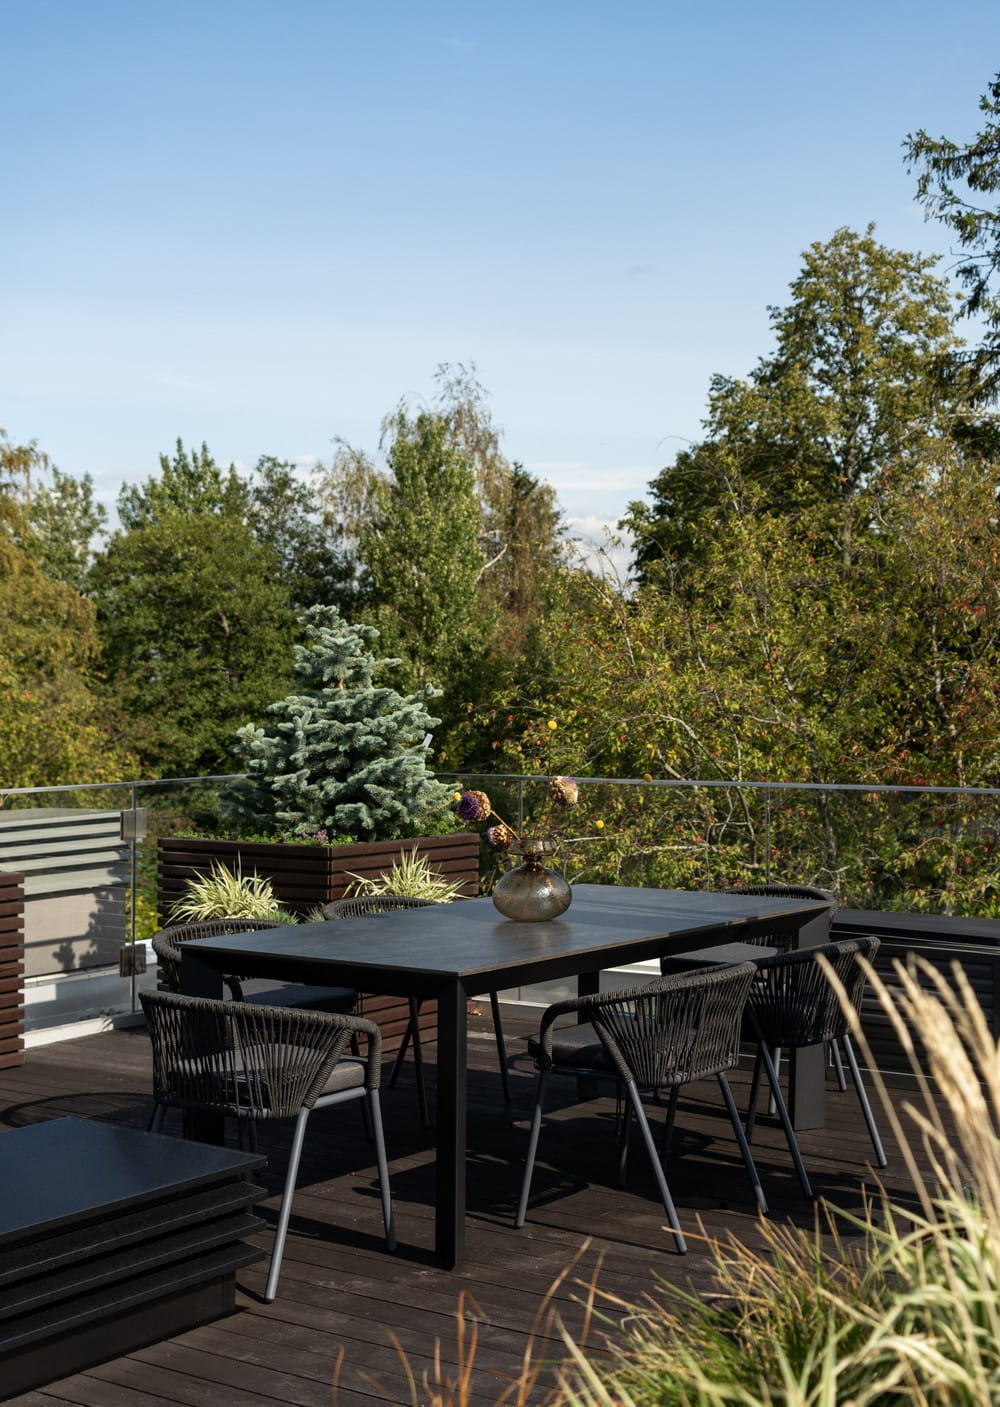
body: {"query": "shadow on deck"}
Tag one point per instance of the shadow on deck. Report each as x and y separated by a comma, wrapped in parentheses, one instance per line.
(342, 1297)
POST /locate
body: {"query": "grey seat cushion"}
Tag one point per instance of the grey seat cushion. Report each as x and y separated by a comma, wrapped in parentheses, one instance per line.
(577, 1046)
(346, 1074)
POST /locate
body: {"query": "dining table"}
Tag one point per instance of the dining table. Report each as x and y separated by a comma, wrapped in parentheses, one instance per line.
(453, 952)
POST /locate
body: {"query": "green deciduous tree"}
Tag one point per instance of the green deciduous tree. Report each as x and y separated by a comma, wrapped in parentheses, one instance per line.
(343, 753)
(425, 556)
(190, 483)
(848, 408)
(54, 729)
(285, 515)
(455, 546)
(65, 519)
(195, 619)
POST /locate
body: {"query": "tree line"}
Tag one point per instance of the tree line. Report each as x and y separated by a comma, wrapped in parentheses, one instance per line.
(814, 595)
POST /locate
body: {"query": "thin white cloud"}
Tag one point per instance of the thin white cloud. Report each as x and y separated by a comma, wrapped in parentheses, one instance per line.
(175, 379)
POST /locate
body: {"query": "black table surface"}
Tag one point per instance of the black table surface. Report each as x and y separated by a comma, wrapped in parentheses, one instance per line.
(472, 943)
(67, 1170)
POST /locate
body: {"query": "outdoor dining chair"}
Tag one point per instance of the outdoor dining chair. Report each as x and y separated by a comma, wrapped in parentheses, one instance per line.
(792, 1004)
(256, 1063)
(167, 947)
(385, 903)
(761, 946)
(651, 1039)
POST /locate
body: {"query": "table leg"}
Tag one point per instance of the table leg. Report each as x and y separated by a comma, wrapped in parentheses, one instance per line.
(807, 1067)
(200, 980)
(449, 1234)
(588, 984)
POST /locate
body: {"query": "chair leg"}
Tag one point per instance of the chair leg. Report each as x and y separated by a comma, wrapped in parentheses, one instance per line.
(786, 1123)
(156, 1118)
(866, 1108)
(741, 1139)
(624, 1132)
(411, 1026)
(758, 1067)
(670, 1121)
(529, 1164)
(412, 1032)
(383, 1168)
(657, 1166)
(501, 1047)
(271, 1288)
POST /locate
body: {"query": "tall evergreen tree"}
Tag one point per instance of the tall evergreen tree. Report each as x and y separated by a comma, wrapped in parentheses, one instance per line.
(343, 753)
(958, 184)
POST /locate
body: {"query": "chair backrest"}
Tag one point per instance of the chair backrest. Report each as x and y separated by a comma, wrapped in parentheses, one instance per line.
(257, 1061)
(676, 1029)
(372, 904)
(792, 1002)
(784, 891)
(167, 942)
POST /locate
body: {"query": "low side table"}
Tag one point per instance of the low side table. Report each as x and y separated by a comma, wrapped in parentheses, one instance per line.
(111, 1239)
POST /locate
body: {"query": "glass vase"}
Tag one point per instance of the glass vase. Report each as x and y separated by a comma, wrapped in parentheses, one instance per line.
(532, 893)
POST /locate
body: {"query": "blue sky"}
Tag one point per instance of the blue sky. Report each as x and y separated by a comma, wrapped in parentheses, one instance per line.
(259, 223)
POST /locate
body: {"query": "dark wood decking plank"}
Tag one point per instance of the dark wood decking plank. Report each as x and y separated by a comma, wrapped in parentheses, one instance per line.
(339, 1288)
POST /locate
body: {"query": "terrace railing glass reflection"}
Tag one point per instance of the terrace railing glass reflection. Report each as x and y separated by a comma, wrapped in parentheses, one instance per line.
(88, 854)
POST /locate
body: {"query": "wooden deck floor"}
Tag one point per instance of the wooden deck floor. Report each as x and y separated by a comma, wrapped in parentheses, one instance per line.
(342, 1297)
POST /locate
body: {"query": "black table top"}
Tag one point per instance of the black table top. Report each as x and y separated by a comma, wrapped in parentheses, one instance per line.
(472, 943)
(68, 1170)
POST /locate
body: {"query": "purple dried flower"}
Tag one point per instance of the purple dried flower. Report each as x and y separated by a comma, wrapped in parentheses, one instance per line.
(500, 837)
(473, 806)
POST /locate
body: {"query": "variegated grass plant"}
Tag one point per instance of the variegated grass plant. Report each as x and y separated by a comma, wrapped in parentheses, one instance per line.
(224, 893)
(410, 877)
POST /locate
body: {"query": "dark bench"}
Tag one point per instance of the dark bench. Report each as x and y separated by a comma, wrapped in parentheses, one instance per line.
(111, 1239)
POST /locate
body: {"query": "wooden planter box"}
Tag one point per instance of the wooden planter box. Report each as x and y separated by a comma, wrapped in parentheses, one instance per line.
(11, 970)
(305, 877)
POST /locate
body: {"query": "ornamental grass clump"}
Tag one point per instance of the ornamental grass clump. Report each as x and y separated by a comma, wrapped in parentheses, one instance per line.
(223, 893)
(410, 877)
(898, 1306)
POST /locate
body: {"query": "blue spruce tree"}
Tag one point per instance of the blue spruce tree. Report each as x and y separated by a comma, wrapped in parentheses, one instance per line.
(342, 754)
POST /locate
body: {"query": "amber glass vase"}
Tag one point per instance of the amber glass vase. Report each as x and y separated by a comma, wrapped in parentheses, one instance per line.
(532, 893)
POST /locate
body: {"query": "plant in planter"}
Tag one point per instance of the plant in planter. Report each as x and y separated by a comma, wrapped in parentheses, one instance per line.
(225, 894)
(341, 759)
(410, 877)
(342, 754)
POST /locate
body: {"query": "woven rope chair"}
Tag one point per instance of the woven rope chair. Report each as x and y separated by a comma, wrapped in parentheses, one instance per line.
(652, 1039)
(758, 947)
(385, 903)
(167, 947)
(791, 1005)
(761, 944)
(253, 1063)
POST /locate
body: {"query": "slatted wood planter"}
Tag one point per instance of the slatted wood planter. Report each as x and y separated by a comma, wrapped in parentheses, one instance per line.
(305, 877)
(11, 969)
